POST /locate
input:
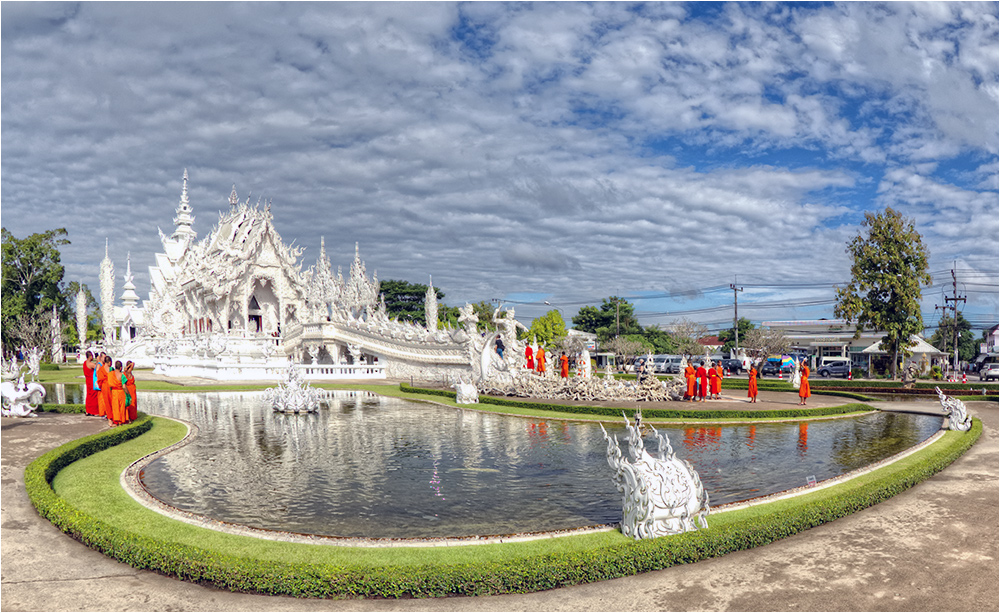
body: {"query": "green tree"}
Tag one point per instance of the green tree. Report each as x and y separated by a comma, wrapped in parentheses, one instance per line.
(888, 267)
(32, 274)
(686, 334)
(615, 317)
(659, 340)
(405, 300)
(548, 329)
(484, 311)
(728, 337)
(944, 338)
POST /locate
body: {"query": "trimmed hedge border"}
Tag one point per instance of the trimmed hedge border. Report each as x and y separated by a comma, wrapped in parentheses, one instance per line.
(61, 408)
(527, 574)
(651, 413)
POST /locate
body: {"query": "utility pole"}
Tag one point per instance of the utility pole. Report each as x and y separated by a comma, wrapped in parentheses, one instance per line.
(955, 299)
(618, 326)
(736, 314)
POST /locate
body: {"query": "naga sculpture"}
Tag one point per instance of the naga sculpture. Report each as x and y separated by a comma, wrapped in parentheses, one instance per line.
(958, 417)
(660, 495)
(466, 393)
(293, 395)
(21, 399)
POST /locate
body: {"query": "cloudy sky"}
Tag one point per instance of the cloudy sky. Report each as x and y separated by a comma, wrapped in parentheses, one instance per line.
(524, 152)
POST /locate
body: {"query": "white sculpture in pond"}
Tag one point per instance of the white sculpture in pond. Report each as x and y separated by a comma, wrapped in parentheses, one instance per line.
(958, 417)
(21, 399)
(660, 495)
(293, 395)
(466, 393)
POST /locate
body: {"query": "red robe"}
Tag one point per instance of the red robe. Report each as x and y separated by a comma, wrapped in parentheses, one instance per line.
(804, 386)
(714, 380)
(528, 355)
(91, 402)
(752, 384)
(133, 410)
(563, 367)
(702, 374)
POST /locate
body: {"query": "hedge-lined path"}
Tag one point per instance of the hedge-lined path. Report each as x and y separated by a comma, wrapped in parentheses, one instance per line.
(934, 547)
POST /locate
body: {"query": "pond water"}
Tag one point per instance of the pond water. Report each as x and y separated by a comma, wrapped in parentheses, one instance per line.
(379, 467)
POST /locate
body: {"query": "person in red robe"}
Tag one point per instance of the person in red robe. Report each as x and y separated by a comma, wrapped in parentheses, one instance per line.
(540, 361)
(117, 390)
(752, 384)
(689, 373)
(713, 382)
(702, 374)
(103, 391)
(132, 406)
(564, 366)
(89, 366)
(804, 386)
(529, 356)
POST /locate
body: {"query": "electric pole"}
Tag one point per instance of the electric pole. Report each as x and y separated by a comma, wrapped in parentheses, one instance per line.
(736, 315)
(955, 299)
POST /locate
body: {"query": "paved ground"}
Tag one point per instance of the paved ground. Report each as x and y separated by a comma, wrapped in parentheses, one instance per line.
(934, 547)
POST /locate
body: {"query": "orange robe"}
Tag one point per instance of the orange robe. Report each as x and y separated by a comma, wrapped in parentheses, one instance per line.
(133, 410)
(528, 355)
(540, 361)
(804, 386)
(104, 394)
(715, 380)
(702, 375)
(118, 411)
(563, 367)
(689, 375)
(91, 401)
(752, 384)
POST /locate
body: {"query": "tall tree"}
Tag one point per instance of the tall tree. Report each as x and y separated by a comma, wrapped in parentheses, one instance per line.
(548, 329)
(728, 337)
(32, 273)
(615, 317)
(760, 343)
(888, 267)
(406, 300)
(944, 338)
(686, 334)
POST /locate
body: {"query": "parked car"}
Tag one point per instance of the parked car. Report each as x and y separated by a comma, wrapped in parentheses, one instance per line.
(672, 365)
(990, 371)
(839, 368)
(770, 368)
(732, 366)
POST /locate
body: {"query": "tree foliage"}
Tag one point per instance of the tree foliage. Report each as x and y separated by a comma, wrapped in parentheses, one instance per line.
(31, 286)
(685, 334)
(549, 329)
(625, 350)
(944, 338)
(405, 300)
(615, 317)
(760, 343)
(888, 267)
(728, 337)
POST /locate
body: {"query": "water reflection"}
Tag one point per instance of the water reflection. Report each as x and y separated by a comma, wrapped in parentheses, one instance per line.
(385, 467)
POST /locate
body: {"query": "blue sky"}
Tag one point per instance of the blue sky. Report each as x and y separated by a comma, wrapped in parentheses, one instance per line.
(559, 152)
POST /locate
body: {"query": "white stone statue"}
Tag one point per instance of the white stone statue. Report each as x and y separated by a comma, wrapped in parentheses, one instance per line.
(81, 318)
(660, 495)
(958, 417)
(56, 336)
(293, 395)
(466, 393)
(20, 399)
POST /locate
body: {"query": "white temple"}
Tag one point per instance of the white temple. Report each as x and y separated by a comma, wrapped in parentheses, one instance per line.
(237, 305)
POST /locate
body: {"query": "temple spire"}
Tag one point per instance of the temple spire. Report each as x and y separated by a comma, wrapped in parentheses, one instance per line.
(129, 297)
(184, 219)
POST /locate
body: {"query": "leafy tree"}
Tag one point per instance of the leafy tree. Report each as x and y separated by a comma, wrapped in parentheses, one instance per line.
(625, 350)
(728, 338)
(484, 311)
(686, 334)
(32, 273)
(760, 343)
(944, 338)
(615, 317)
(448, 316)
(659, 340)
(548, 329)
(405, 300)
(888, 267)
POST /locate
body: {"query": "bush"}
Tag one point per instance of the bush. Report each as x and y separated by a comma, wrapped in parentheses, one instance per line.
(936, 373)
(61, 408)
(623, 557)
(48, 367)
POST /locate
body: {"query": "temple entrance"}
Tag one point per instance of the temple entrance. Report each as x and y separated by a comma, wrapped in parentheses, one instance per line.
(263, 310)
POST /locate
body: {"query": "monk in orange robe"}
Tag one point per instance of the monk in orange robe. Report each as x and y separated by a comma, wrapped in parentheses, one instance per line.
(132, 406)
(713, 382)
(752, 385)
(103, 391)
(540, 361)
(529, 356)
(564, 366)
(722, 375)
(702, 374)
(117, 389)
(691, 385)
(89, 366)
(804, 386)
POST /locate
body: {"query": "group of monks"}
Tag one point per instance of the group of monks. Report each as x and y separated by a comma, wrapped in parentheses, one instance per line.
(110, 389)
(703, 382)
(535, 361)
(804, 391)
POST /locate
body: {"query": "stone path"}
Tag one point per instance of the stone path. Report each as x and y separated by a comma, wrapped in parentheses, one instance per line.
(934, 547)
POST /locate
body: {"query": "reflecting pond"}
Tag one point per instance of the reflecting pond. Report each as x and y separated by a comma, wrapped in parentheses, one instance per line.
(370, 466)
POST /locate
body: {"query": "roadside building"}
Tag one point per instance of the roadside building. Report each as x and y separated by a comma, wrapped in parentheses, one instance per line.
(826, 338)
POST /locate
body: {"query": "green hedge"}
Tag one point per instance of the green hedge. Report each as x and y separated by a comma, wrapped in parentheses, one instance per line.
(650, 413)
(61, 408)
(730, 532)
(48, 367)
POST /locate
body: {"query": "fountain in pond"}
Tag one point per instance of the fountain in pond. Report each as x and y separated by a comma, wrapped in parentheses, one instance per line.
(958, 417)
(293, 395)
(660, 495)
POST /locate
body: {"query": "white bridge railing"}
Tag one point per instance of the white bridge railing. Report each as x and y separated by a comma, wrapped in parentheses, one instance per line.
(320, 372)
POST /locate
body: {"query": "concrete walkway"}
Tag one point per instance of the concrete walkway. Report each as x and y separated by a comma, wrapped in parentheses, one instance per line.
(934, 547)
